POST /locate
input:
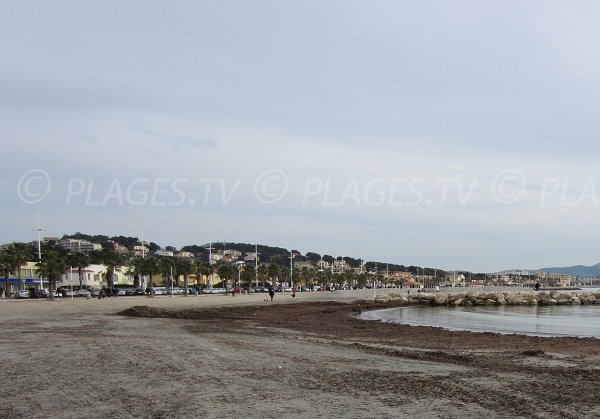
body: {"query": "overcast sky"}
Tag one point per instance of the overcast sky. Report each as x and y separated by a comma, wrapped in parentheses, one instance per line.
(457, 135)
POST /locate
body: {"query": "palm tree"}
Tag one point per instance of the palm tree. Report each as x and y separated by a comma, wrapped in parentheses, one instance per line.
(80, 261)
(52, 266)
(249, 274)
(7, 265)
(184, 267)
(285, 273)
(263, 273)
(165, 264)
(111, 259)
(21, 253)
(274, 271)
(227, 273)
(201, 269)
(150, 267)
(137, 268)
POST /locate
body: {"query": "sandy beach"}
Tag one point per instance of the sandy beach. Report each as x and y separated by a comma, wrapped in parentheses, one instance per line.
(223, 357)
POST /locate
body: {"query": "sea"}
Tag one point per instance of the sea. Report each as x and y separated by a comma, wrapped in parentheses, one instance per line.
(564, 320)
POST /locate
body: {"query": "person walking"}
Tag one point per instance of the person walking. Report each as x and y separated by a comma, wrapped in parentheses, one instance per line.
(271, 293)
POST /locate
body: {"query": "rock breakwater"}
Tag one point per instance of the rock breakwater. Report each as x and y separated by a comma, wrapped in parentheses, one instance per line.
(479, 298)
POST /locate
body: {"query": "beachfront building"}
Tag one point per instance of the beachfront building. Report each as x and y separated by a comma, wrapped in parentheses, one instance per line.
(555, 280)
(29, 278)
(95, 276)
(412, 284)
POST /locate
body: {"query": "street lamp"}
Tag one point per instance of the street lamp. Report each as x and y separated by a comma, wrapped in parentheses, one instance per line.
(210, 248)
(256, 264)
(39, 243)
(292, 256)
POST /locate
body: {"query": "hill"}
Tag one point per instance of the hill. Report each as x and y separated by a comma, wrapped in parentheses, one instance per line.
(577, 270)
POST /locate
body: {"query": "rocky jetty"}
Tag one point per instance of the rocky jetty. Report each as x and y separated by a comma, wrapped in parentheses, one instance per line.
(480, 298)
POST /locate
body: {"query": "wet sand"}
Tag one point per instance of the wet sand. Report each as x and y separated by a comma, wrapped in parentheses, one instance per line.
(217, 356)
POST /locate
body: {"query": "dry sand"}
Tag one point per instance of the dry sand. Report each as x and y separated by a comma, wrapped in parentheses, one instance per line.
(217, 356)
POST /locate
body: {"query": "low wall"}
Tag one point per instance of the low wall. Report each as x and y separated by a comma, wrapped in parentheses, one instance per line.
(479, 298)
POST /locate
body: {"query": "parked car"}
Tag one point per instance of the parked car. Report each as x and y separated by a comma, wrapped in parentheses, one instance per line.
(119, 292)
(139, 291)
(95, 292)
(22, 294)
(218, 291)
(82, 293)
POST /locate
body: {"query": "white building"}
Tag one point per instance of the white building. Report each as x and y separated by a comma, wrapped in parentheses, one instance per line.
(140, 251)
(94, 276)
(74, 245)
(167, 253)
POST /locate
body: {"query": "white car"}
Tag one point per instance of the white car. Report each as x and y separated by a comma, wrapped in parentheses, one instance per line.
(22, 294)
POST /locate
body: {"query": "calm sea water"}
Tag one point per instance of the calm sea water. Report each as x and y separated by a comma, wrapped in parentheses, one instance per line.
(528, 320)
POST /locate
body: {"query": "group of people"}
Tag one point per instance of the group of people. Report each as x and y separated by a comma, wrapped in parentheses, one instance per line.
(272, 294)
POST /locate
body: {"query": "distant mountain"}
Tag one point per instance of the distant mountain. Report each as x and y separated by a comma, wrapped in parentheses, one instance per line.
(577, 270)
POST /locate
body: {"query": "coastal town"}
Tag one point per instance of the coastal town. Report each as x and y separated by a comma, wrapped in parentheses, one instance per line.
(133, 265)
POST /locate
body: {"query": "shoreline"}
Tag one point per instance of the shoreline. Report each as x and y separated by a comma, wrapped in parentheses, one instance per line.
(243, 357)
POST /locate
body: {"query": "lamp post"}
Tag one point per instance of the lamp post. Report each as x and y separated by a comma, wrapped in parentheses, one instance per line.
(210, 279)
(256, 264)
(39, 245)
(292, 268)
(71, 279)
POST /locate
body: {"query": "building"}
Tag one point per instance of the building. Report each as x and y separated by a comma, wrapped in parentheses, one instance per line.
(29, 278)
(184, 254)
(119, 248)
(95, 276)
(74, 245)
(139, 251)
(299, 264)
(233, 254)
(216, 256)
(340, 265)
(401, 275)
(166, 253)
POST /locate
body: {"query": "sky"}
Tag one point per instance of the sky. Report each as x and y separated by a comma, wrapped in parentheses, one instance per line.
(447, 134)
